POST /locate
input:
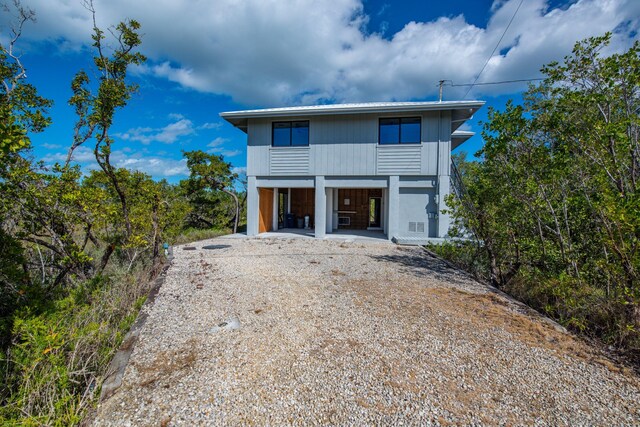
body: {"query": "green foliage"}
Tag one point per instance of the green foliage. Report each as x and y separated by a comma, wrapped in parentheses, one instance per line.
(62, 347)
(12, 282)
(76, 252)
(210, 184)
(96, 108)
(465, 254)
(555, 203)
(156, 209)
(22, 110)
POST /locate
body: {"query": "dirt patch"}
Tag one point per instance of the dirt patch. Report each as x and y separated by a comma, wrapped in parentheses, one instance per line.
(168, 363)
(474, 312)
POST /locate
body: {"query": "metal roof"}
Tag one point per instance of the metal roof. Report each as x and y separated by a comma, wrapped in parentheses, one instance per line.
(463, 110)
(460, 136)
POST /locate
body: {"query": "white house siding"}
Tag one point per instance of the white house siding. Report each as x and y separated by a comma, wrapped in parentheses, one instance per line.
(258, 145)
(429, 158)
(441, 134)
(418, 212)
(444, 169)
(343, 159)
(343, 145)
(346, 145)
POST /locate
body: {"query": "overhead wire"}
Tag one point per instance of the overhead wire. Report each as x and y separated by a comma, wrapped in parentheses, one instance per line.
(496, 83)
(494, 49)
(442, 83)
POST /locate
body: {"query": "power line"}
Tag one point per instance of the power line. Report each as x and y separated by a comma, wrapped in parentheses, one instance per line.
(494, 49)
(496, 83)
(442, 83)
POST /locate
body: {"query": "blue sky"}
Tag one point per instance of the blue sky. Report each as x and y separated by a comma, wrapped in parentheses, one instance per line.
(224, 55)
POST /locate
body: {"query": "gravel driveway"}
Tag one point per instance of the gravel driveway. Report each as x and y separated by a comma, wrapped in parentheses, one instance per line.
(306, 332)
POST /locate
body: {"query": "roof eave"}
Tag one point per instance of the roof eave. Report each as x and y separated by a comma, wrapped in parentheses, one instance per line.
(459, 137)
(234, 116)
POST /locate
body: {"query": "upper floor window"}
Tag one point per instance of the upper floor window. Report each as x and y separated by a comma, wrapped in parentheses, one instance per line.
(287, 134)
(401, 130)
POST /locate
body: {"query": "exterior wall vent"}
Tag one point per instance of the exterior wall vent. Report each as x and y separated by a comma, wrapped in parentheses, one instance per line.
(420, 227)
(344, 220)
(412, 227)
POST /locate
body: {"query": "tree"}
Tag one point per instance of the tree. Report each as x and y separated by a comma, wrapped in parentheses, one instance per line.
(555, 201)
(22, 110)
(96, 109)
(211, 172)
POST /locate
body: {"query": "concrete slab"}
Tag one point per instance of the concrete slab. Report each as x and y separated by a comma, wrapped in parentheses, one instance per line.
(299, 233)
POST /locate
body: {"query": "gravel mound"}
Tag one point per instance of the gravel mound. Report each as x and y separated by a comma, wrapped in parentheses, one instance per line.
(307, 332)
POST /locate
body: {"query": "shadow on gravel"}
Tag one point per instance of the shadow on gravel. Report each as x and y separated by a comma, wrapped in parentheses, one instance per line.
(424, 265)
(216, 247)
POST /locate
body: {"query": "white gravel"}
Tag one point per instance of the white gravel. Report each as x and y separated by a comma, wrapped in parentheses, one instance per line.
(307, 332)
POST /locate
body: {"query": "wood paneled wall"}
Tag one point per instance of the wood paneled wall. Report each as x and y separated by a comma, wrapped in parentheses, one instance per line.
(266, 209)
(303, 202)
(358, 203)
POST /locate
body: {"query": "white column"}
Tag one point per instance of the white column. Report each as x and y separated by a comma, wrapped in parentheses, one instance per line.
(443, 219)
(253, 206)
(385, 210)
(444, 165)
(334, 213)
(321, 208)
(394, 206)
(329, 194)
(276, 200)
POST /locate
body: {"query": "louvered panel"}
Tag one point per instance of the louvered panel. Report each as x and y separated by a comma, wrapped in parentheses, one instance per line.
(289, 161)
(399, 160)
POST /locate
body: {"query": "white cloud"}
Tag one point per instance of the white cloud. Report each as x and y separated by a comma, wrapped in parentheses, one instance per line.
(219, 141)
(167, 134)
(156, 166)
(81, 154)
(274, 52)
(240, 170)
(217, 147)
(214, 125)
(51, 146)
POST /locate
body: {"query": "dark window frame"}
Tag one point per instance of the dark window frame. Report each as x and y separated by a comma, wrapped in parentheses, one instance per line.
(399, 140)
(291, 127)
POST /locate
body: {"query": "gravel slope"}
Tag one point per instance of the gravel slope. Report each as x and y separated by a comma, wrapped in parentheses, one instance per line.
(304, 332)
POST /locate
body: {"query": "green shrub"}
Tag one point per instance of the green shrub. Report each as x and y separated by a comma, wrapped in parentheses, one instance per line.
(464, 254)
(61, 349)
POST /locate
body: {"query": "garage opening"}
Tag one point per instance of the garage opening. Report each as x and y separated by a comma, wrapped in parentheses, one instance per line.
(296, 208)
(360, 209)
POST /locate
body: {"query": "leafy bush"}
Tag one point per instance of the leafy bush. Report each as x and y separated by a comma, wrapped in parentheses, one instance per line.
(53, 371)
(554, 204)
(77, 251)
(464, 254)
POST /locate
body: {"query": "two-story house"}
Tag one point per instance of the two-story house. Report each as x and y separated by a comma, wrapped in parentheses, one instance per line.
(377, 166)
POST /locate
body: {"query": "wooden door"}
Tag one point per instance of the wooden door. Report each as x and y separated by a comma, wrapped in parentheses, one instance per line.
(266, 209)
